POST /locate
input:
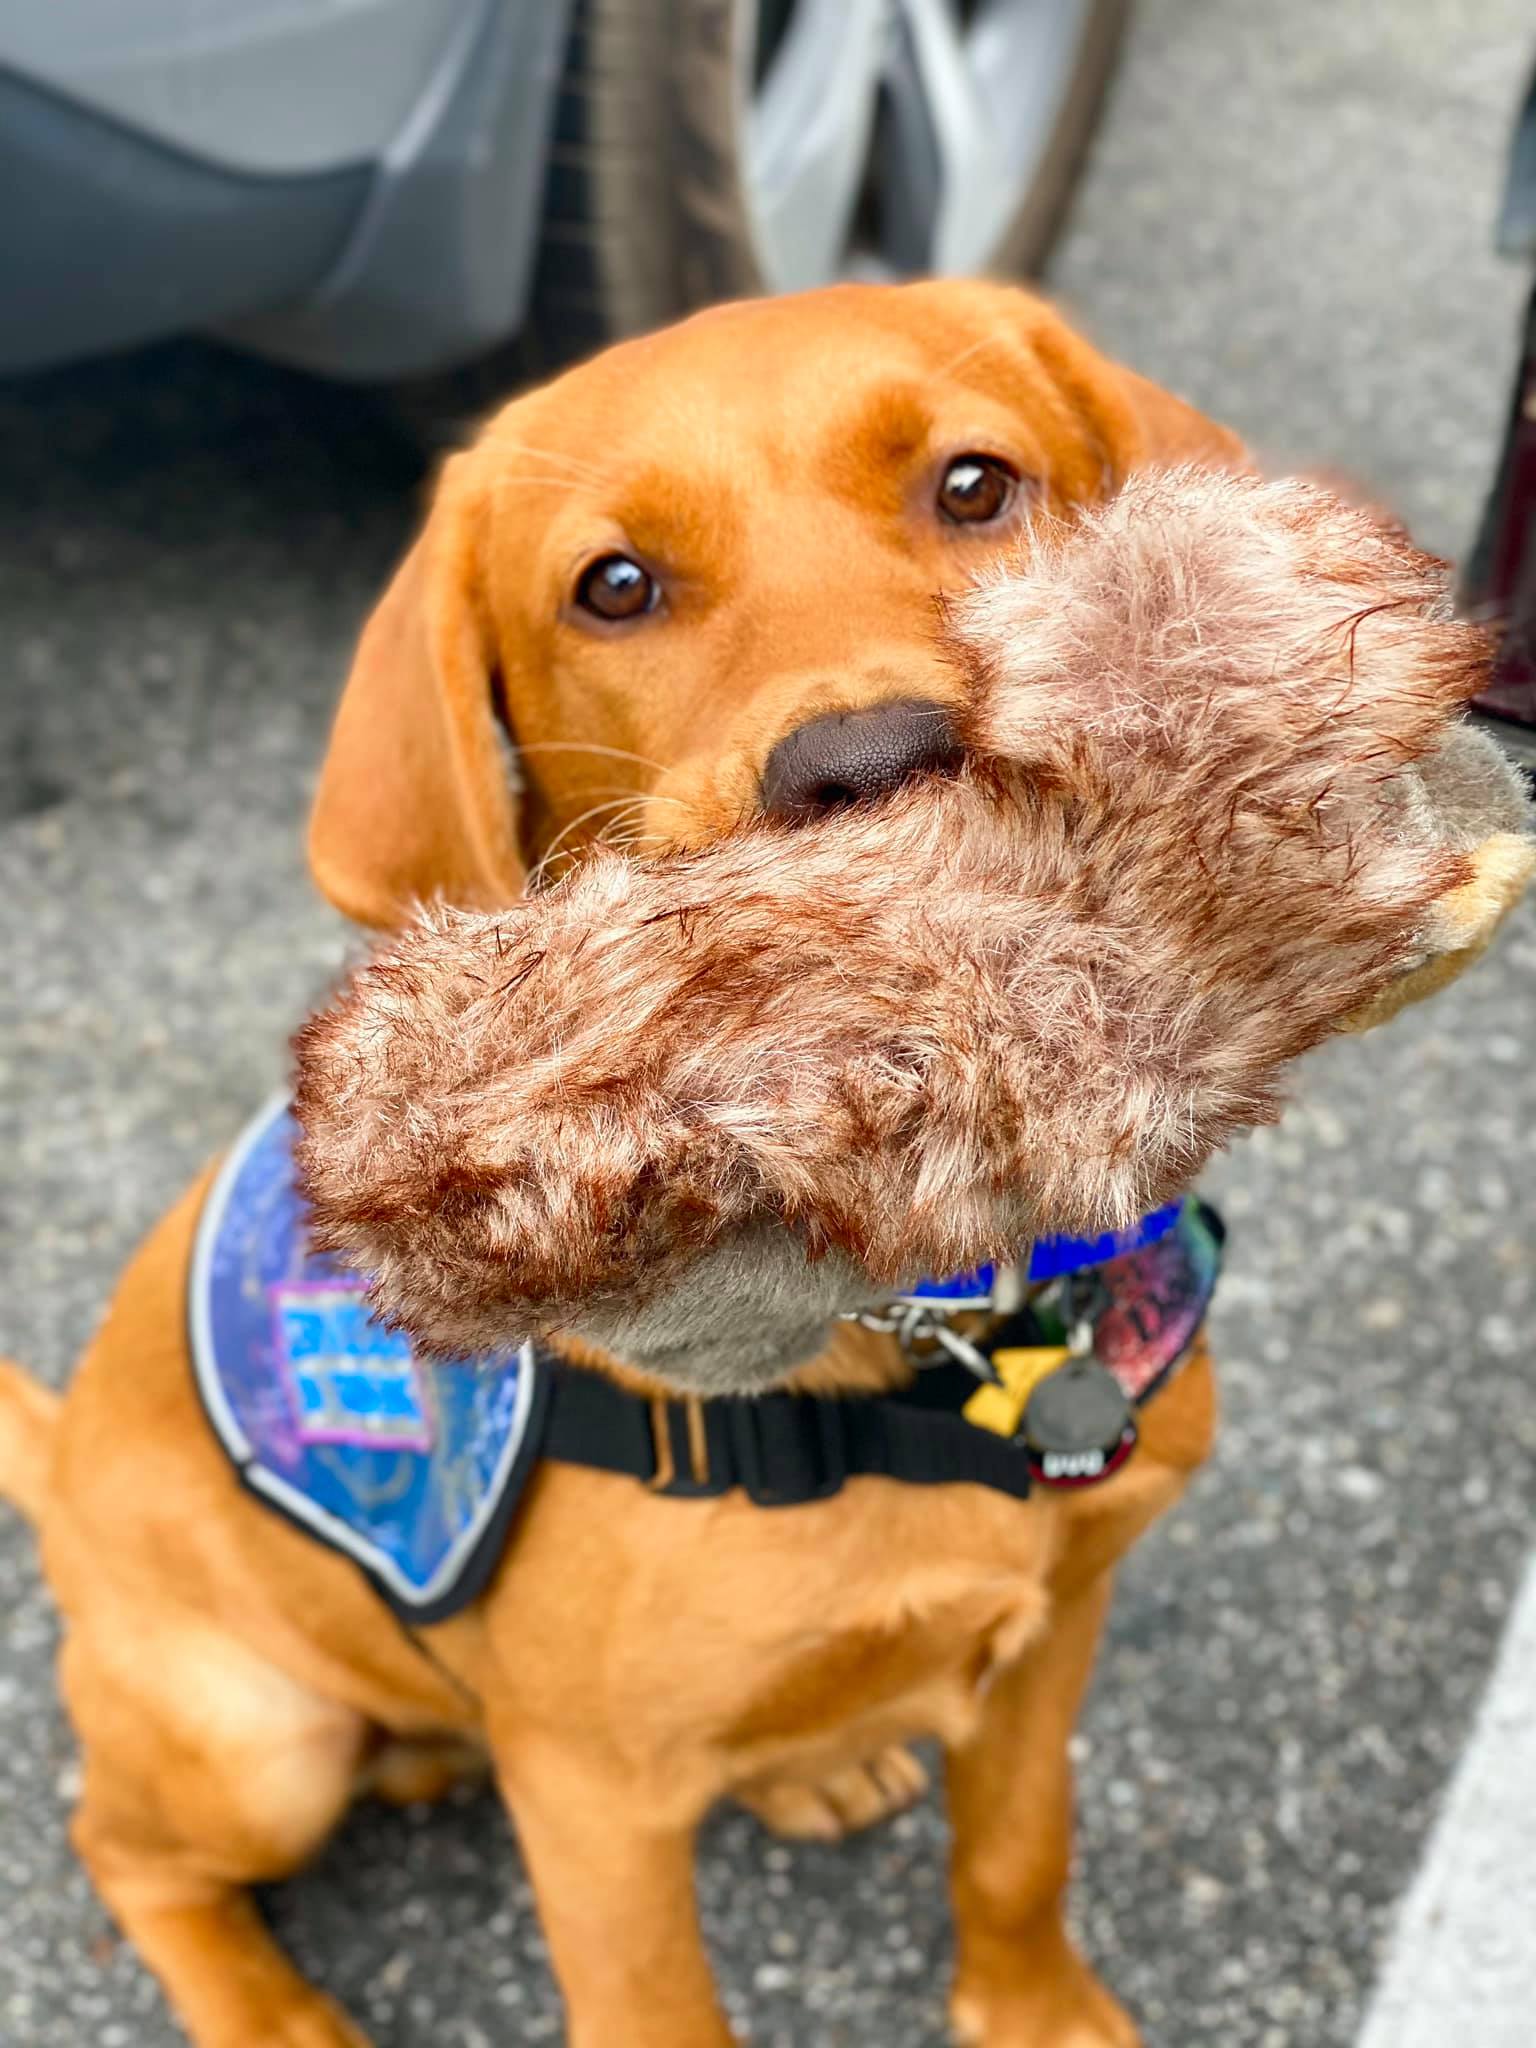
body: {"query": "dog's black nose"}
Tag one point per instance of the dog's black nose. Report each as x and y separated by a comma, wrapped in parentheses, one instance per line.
(845, 757)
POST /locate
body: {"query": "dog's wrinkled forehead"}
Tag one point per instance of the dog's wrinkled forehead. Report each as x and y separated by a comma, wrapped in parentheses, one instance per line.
(842, 395)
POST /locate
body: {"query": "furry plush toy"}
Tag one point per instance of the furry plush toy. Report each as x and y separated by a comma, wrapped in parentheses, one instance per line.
(1215, 804)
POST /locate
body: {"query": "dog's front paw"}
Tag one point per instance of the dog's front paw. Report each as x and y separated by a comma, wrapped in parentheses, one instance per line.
(308, 2021)
(1059, 2003)
(843, 1802)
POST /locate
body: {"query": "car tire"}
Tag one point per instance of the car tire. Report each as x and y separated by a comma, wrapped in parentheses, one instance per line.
(647, 216)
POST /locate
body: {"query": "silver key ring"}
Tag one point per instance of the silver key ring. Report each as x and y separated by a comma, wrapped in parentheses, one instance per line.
(913, 1323)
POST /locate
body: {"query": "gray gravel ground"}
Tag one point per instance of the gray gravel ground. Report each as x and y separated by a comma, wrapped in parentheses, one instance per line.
(1287, 218)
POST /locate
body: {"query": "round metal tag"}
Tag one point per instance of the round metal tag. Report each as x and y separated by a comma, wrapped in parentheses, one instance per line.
(1078, 1425)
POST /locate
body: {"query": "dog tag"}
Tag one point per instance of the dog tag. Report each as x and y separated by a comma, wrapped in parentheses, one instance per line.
(1078, 1425)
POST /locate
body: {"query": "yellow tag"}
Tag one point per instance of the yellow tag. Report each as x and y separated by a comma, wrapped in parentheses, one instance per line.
(1001, 1409)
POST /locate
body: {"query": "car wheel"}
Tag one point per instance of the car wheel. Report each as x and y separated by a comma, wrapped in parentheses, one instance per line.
(707, 149)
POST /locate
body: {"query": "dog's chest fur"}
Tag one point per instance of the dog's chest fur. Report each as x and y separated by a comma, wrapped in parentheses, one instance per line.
(783, 1634)
(912, 1658)
(713, 1641)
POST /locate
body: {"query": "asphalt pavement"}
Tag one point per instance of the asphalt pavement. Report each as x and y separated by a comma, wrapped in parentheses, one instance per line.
(1287, 218)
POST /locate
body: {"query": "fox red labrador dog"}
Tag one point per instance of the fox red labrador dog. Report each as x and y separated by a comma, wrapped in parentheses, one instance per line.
(689, 580)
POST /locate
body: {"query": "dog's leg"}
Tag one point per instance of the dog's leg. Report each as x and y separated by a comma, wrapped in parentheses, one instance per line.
(205, 1770)
(1019, 1981)
(616, 1898)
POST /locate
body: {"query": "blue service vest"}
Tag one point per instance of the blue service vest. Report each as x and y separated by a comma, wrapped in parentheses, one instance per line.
(411, 1466)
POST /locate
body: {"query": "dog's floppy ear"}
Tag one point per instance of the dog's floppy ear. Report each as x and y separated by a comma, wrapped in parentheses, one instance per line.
(1136, 423)
(415, 797)
(1165, 430)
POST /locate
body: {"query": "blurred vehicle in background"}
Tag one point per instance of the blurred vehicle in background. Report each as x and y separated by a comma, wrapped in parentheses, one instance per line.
(381, 189)
(1500, 578)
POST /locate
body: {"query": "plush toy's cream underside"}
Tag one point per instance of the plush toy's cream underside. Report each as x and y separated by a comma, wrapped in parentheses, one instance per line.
(1216, 804)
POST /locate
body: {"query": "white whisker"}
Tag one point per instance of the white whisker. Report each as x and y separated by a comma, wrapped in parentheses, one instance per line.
(997, 339)
(588, 472)
(632, 804)
(589, 747)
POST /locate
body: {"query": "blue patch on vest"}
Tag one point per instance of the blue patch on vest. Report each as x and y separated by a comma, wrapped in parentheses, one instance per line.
(411, 1467)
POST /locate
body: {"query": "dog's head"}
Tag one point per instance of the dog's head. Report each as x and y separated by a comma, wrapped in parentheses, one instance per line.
(1213, 802)
(695, 579)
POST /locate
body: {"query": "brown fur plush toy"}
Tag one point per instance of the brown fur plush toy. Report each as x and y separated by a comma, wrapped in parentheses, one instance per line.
(1215, 805)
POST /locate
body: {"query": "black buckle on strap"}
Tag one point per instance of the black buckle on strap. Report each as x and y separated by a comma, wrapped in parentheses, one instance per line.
(782, 1450)
(788, 1449)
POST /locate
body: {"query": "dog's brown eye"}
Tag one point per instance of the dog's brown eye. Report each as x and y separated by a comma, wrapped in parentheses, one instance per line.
(976, 488)
(617, 588)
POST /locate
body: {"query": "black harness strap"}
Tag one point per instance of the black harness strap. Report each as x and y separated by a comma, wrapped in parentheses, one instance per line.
(782, 1450)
